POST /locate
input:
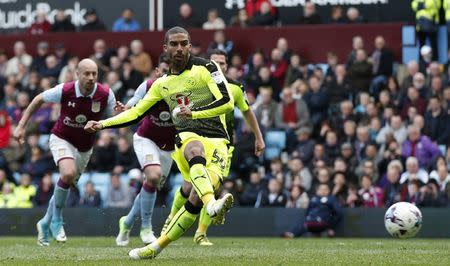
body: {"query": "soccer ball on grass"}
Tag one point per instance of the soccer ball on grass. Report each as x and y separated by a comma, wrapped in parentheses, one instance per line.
(403, 220)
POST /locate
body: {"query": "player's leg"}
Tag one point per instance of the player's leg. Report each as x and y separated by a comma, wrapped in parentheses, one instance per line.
(179, 199)
(202, 181)
(148, 199)
(126, 222)
(180, 223)
(43, 224)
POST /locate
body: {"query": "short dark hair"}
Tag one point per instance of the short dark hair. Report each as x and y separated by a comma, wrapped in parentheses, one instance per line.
(163, 58)
(218, 52)
(176, 30)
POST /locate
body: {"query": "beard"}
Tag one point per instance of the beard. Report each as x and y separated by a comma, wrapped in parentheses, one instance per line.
(178, 61)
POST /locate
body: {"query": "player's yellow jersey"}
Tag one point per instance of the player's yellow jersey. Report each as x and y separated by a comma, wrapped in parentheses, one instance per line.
(240, 101)
(201, 86)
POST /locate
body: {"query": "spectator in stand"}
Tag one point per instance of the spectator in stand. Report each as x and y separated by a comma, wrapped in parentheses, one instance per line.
(419, 83)
(241, 20)
(264, 17)
(332, 148)
(413, 68)
(357, 44)
(414, 172)
(305, 145)
(436, 87)
(101, 56)
(104, 153)
(93, 23)
(69, 69)
(37, 165)
(345, 114)
(298, 173)
(126, 22)
(220, 42)
(337, 15)
(298, 198)
(119, 195)
(140, 60)
(426, 58)
(393, 190)
(317, 101)
(382, 63)
(323, 214)
(52, 69)
(265, 79)
(254, 64)
(413, 100)
(394, 128)
(40, 24)
(125, 157)
(372, 196)
(254, 6)
(274, 196)
(276, 167)
(266, 110)
(339, 87)
(340, 188)
(42, 51)
(44, 191)
(319, 155)
(360, 72)
(131, 78)
(61, 54)
(24, 193)
(3, 64)
(252, 190)
(437, 123)
(283, 46)
(74, 199)
(91, 196)
(291, 114)
(214, 22)
(310, 15)
(353, 16)
(187, 18)
(116, 85)
(62, 23)
(278, 66)
(20, 57)
(16, 111)
(293, 72)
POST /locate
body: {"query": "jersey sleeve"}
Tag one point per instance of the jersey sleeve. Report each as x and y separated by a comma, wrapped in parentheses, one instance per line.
(54, 94)
(138, 94)
(136, 113)
(111, 102)
(239, 97)
(218, 86)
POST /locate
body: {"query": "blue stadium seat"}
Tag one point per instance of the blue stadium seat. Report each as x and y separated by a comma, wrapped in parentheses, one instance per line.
(275, 144)
(43, 141)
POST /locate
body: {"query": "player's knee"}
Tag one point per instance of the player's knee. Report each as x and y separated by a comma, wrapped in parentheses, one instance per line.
(186, 189)
(153, 175)
(194, 149)
(68, 175)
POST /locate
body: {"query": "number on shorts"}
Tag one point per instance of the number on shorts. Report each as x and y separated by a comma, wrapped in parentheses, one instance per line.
(218, 160)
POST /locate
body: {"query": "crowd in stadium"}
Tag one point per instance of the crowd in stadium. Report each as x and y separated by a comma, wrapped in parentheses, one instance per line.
(374, 131)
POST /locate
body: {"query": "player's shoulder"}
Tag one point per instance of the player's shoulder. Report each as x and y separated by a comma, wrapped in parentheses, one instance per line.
(235, 82)
(202, 62)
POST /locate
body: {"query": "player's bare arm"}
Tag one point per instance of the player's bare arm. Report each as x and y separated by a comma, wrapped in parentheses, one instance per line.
(19, 132)
(250, 118)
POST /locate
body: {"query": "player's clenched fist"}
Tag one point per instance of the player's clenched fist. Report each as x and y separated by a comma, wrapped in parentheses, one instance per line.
(19, 134)
(93, 126)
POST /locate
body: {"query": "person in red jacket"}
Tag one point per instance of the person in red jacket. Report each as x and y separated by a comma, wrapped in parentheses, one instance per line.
(278, 67)
(40, 24)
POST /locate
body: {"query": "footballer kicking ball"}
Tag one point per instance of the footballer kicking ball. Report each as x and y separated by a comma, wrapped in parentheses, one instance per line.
(403, 220)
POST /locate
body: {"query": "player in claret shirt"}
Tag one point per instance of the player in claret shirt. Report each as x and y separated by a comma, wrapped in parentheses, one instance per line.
(153, 143)
(71, 146)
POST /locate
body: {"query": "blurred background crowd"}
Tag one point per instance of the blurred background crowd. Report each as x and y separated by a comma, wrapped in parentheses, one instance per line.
(373, 130)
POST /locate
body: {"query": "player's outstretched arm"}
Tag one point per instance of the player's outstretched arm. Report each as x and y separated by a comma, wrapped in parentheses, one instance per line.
(93, 126)
(19, 132)
(250, 118)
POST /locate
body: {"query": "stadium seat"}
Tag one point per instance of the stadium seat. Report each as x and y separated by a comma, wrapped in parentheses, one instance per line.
(275, 144)
(43, 141)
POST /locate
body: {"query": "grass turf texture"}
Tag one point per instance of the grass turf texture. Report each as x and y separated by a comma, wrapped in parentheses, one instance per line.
(232, 251)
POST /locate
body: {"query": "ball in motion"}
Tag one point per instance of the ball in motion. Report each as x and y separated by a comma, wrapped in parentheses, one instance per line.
(403, 220)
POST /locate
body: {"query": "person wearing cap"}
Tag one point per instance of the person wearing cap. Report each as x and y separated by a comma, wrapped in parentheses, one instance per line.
(427, 18)
(426, 58)
(126, 22)
(305, 145)
(93, 23)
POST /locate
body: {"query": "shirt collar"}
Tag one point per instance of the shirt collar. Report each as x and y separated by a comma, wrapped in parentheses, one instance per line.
(78, 93)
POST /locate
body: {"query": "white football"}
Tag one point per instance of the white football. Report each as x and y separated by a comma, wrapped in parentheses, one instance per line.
(403, 220)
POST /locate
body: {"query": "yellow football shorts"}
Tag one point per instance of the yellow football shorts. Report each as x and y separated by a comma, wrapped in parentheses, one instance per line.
(216, 155)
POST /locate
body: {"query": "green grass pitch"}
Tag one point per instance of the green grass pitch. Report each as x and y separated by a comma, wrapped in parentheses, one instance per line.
(232, 251)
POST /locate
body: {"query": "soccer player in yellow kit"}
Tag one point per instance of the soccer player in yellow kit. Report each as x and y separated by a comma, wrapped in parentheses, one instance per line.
(240, 101)
(198, 97)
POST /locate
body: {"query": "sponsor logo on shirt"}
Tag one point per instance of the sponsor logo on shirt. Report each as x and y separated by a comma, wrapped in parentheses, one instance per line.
(70, 123)
(71, 104)
(81, 119)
